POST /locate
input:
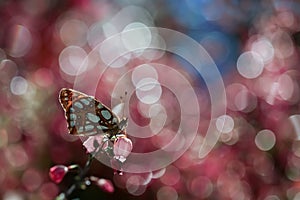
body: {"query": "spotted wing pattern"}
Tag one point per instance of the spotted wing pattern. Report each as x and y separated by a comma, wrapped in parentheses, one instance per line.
(87, 116)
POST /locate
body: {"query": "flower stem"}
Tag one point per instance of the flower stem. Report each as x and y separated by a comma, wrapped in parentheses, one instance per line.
(80, 176)
(83, 172)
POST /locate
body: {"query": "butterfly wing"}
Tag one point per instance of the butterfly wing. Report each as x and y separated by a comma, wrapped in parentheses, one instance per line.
(86, 115)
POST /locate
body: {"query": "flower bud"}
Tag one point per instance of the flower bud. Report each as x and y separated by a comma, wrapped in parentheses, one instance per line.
(58, 172)
(103, 184)
(122, 148)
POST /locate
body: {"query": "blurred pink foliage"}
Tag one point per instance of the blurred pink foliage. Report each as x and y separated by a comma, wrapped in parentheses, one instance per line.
(257, 155)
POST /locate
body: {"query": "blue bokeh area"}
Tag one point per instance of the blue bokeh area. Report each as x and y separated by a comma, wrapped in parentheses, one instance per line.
(223, 48)
(194, 14)
(205, 32)
(218, 26)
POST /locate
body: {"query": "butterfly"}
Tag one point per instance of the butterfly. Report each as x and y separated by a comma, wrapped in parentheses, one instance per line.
(86, 116)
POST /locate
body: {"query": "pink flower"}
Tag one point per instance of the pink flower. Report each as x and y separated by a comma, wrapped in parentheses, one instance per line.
(91, 141)
(103, 184)
(122, 148)
(58, 172)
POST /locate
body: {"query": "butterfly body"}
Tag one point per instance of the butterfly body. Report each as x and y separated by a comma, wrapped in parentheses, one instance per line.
(87, 116)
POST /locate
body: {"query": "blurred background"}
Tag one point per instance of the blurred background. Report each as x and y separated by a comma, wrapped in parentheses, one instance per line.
(255, 45)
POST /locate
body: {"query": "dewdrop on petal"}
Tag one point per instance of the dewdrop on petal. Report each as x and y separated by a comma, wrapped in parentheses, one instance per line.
(117, 166)
(122, 148)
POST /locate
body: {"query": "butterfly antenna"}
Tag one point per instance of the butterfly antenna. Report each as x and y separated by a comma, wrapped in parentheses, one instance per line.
(123, 101)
